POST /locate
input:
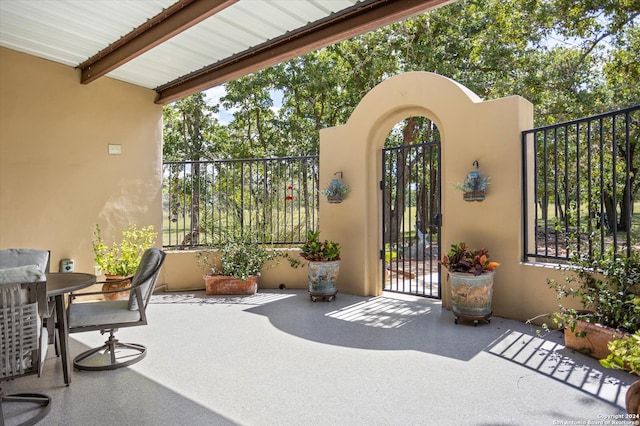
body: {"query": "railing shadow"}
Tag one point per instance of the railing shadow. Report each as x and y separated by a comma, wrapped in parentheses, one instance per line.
(552, 359)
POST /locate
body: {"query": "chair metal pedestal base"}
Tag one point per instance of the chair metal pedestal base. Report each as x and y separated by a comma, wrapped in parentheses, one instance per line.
(28, 398)
(113, 354)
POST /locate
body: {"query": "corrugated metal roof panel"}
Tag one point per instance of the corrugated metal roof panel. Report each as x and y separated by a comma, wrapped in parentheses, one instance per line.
(71, 31)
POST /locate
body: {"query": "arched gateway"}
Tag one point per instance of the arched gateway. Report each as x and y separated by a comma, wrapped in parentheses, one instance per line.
(470, 130)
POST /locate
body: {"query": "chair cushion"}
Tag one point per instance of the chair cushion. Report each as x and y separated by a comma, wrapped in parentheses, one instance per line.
(151, 260)
(22, 274)
(19, 275)
(91, 314)
(11, 258)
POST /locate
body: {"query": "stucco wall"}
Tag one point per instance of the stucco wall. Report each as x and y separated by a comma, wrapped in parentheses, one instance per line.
(181, 272)
(57, 179)
(488, 132)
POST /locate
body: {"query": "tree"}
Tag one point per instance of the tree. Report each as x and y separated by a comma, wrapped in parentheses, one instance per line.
(191, 133)
(622, 73)
(251, 131)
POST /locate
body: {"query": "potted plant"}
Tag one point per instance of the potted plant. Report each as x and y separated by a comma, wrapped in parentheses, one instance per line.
(118, 262)
(335, 191)
(324, 265)
(471, 277)
(609, 294)
(624, 354)
(234, 267)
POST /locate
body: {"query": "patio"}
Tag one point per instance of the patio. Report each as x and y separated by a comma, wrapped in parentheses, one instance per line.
(278, 359)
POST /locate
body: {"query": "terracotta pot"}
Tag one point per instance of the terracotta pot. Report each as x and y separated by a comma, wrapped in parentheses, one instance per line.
(221, 284)
(633, 400)
(120, 285)
(595, 340)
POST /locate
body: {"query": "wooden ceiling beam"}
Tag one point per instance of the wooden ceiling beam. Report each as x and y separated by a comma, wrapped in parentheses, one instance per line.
(172, 21)
(355, 22)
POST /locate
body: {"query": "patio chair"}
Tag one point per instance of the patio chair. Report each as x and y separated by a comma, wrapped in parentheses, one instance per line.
(15, 257)
(109, 315)
(23, 342)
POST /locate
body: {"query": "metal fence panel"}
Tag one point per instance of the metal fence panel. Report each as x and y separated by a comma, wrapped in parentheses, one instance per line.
(580, 182)
(273, 198)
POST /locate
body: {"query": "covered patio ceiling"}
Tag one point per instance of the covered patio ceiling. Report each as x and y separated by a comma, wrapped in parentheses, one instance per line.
(181, 48)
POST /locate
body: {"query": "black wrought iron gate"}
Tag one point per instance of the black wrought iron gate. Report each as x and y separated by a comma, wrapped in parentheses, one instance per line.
(411, 219)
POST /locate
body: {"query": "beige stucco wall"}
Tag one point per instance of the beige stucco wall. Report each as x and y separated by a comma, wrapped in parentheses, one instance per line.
(181, 272)
(57, 179)
(488, 132)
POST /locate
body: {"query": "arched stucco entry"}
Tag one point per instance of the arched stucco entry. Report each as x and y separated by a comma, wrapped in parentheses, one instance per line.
(470, 130)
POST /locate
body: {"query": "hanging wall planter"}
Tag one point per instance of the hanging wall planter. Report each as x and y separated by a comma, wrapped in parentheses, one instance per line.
(336, 190)
(475, 185)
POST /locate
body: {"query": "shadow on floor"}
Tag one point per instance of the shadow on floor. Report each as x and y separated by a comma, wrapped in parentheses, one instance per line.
(266, 359)
(391, 322)
(118, 397)
(552, 359)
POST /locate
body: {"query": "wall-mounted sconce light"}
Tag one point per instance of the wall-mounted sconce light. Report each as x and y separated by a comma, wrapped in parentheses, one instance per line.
(475, 185)
(335, 190)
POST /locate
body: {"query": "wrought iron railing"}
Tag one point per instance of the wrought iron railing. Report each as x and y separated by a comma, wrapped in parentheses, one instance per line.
(581, 180)
(275, 199)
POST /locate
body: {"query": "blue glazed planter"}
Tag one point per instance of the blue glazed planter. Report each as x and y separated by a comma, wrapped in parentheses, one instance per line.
(323, 276)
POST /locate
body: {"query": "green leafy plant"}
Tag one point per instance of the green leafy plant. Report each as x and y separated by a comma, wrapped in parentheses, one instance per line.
(240, 257)
(122, 258)
(462, 259)
(335, 188)
(608, 290)
(389, 254)
(625, 354)
(479, 184)
(316, 250)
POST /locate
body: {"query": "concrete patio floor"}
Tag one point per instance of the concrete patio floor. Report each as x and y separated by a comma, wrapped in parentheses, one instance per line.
(276, 358)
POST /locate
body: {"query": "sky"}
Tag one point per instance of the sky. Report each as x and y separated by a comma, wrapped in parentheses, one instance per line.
(213, 96)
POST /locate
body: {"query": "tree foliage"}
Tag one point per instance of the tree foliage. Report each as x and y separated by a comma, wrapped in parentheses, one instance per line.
(569, 58)
(191, 130)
